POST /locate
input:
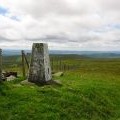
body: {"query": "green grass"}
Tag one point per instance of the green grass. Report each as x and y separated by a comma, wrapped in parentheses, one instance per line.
(90, 92)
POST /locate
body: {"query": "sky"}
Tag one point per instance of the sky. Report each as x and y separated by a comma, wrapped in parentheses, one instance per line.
(85, 25)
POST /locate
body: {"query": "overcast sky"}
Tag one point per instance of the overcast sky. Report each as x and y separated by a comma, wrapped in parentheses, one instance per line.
(63, 24)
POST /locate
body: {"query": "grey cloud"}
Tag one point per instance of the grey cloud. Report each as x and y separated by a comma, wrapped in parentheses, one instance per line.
(51, 38)
(63, 22)
(111, 5)
(65, 38)
(4, 39)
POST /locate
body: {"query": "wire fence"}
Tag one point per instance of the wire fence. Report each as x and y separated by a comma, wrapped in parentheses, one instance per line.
(20, 63)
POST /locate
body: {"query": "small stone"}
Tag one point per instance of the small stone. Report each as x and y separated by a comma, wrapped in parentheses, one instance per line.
(10, 78)
(58, 74)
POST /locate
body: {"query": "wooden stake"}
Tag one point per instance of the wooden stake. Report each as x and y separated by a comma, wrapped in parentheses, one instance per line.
(59, 64)
(0, 65)
(26, 59)
(23, 63)
(51, 61)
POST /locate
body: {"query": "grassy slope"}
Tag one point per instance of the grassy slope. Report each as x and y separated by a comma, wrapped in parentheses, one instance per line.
(91, 92)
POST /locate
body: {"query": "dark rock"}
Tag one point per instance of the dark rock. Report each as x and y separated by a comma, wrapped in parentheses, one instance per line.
(8, 74)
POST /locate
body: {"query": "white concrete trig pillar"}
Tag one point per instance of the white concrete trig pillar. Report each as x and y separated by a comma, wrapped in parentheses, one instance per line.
(40, 69)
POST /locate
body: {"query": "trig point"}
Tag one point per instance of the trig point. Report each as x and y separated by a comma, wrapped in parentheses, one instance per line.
(40, 70)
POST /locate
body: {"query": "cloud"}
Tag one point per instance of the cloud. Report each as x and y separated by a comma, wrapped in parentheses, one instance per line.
(63, 24)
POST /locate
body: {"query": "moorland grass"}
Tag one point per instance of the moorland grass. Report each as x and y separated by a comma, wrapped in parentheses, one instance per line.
(91, 92)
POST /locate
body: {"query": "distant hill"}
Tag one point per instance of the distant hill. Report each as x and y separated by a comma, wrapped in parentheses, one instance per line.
(93, 54)
(13, 52)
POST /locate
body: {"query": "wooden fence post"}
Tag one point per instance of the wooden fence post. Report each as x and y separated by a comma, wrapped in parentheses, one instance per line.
(60, 67)
(23, 64)
(0, 65)
(26, 59)
(64, 67)
(52, 64)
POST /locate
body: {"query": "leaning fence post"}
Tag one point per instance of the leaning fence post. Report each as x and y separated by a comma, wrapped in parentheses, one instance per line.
(26, 59)
(23, 63)
(0, 65)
